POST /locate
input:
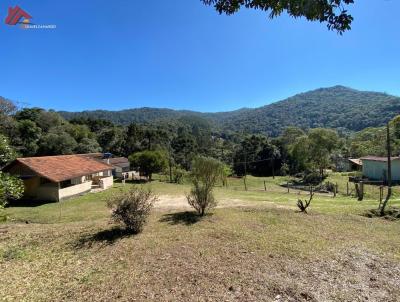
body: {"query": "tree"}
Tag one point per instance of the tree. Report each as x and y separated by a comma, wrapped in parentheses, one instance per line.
(7, 123)
(184, 147)
(7, 107)
(10, 187)
(204, 175)
(332, 12)
(322, 143)
(149, 162)
(134, 137)
(57, 142)
(88, 145)
(29, 135)
(257, 155)
(112, 140)
(291, 134)
(299, 155)
(7, 153)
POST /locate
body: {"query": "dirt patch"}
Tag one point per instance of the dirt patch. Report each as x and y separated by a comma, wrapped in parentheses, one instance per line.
(169, 202)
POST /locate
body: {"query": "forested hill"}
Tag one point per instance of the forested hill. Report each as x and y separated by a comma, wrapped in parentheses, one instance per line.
(336, 107)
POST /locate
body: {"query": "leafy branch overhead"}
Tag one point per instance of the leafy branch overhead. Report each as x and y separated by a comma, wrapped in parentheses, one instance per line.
(333, 12)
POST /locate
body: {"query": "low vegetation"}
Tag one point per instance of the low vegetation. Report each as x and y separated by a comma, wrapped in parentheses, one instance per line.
(204, 175)
(254, 246)
(304, 204)
(132, 208)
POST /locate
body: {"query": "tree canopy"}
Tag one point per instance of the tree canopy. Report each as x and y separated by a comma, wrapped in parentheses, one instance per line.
(332, 12)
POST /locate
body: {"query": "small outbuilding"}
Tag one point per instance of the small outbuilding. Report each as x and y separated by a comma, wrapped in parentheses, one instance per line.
(121, 167)
(375, 168)
(348, 164)
(54, 178)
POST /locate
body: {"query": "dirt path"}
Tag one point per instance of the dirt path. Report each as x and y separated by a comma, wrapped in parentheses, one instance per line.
(180, 202)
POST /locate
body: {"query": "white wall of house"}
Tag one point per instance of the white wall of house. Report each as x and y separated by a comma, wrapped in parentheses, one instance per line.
(106, 182)
(74, 190)
(375, 170)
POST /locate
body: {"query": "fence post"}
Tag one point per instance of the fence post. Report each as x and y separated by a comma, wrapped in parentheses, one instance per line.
(288, 188)
(362, 190)
(347, 188)
(245, 184)
(265, 187)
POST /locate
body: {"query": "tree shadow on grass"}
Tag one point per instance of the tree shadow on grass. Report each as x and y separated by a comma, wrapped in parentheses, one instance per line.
(186, 218)
(29, 203)
(104, 237)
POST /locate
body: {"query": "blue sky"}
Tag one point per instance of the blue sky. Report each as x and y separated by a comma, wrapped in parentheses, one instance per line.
(181, 54)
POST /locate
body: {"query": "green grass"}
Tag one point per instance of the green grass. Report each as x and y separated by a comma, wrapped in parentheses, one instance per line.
(92, 206)
(254, 247)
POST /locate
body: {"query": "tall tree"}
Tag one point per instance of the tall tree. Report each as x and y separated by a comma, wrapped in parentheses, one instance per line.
(322, 143)
(29, 135)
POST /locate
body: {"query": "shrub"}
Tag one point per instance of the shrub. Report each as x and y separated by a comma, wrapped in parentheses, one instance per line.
(132, 208)
(201, 198)
(205, 173)
(304, 204)
(284, 171)
(178, 175)
(11, 188)
(312, 178)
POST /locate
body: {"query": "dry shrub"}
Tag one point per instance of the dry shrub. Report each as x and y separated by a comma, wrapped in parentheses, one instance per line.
(201, 198)
(132, 208)
(304, 204)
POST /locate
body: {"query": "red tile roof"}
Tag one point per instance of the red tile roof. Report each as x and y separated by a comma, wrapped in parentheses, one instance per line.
(63, 167)
(378, 158)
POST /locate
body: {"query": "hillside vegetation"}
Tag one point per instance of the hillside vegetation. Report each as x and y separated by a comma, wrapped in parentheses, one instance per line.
(337, 107)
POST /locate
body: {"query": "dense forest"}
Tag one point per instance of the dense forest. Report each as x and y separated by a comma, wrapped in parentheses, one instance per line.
(341, 108)
(38, 132)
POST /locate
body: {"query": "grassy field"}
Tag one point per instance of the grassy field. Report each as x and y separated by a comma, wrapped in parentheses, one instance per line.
(253, 247)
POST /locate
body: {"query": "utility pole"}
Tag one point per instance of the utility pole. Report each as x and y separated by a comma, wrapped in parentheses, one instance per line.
(273, 167)
(245, 170)
(170, 163)
(389, 171)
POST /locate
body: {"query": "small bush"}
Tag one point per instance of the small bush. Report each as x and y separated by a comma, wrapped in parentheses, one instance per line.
(204, 175)
(132, 208)
(312, 178)
(178, 175)
(201, 198)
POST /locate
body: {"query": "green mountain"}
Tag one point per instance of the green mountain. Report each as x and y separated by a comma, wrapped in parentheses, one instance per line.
(336, 107)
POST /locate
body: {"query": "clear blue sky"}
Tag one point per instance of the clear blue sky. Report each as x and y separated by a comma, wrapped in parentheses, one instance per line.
(181, 54)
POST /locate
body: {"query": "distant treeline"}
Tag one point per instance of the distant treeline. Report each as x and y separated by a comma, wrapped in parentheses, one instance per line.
(37, 132)
(344, 109)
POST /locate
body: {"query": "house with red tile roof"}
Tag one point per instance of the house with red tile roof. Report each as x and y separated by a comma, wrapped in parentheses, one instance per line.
(54, 178)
